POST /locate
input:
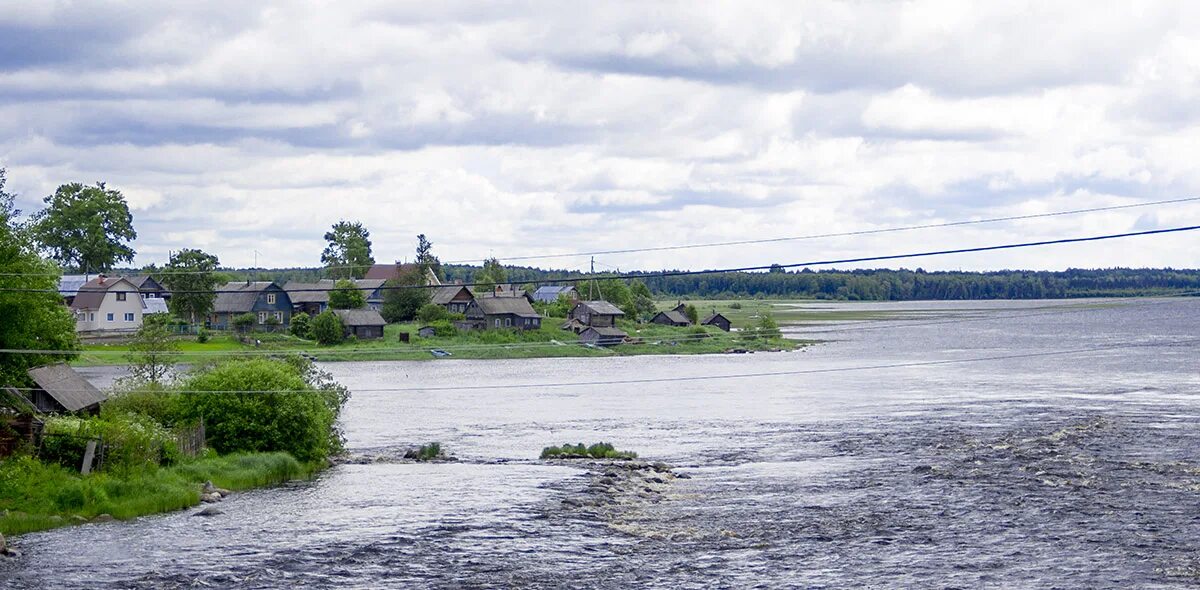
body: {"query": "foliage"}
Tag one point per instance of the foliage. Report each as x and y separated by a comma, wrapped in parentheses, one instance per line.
(257, 405)
(153, 351)
(190, 276)
(490, 275)
(692, 314)
(243, 322)
(272, 321)
(432, 312)
(443, 329)
(131, 441)
(154, 400)
(427, 452)
(301, 326)
(764, 328)
(601, 450)
(348, 253)
(202, 336)
(400, 304)
(327, 328)
(34, 318)
(618, 293)
(347, 295)
(425, 258)
(85, 227)
(735, 305)
(642, 301)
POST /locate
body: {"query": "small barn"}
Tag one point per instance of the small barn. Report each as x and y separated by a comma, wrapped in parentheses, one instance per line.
(602, 336)
(364, 324)
(60, 389)
(717, 320)
(600, 314)
(671, 317)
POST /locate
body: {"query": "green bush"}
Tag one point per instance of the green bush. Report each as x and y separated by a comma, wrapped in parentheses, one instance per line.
(427, 452)
(260, 405)
(347, 295)
(131, 441)
(202, 336)
(301, 326)
(432, 312)
(327, 328)
(147, 399)
(243, 322)
(601, 450)
(735, 305)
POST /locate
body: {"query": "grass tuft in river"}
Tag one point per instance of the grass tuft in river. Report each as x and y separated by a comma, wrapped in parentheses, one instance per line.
(601, 450)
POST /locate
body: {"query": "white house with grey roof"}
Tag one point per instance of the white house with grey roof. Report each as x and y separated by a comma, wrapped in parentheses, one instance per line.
(107, 304)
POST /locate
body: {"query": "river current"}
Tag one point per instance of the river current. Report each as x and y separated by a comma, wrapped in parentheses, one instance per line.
(1076, 470)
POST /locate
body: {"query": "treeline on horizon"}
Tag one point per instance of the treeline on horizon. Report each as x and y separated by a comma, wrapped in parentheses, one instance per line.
(852, 285)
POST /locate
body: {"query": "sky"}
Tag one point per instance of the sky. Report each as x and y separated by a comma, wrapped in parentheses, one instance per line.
(524, 128)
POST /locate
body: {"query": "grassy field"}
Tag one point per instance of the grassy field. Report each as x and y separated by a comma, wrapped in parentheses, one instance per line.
(549, 341)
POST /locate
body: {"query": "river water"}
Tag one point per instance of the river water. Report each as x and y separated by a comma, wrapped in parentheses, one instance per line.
(1056, 471)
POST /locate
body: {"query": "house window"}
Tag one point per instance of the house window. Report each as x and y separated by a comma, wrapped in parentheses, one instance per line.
(507, 322)
(279, 316)
(262, 317)
(121, 296)
(270, 299)
(91, 317)
(109, 318)
(497, 322)
(129, 317)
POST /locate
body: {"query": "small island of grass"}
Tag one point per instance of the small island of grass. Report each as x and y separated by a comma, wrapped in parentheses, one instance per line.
(600, 450)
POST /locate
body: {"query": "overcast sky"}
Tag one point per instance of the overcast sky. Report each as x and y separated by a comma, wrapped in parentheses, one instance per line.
(510, 128)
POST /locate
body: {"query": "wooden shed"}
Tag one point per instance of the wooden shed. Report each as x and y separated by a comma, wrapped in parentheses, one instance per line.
(717, 320)
(60, 389)
(602, 336)
(600, 314)
(364, 324)
(670, 318)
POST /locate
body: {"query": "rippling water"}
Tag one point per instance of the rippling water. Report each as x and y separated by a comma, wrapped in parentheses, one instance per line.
(1056, 471)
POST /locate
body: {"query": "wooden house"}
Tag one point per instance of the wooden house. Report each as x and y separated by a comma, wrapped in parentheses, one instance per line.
(60, 389)
(364, 324)
(600, 314)
(717, 320)
(502, 312)
(551, 293)
(107, 304)
(150, 288)
(313, 298)
(454, 298)
(671, 317)
(602, 336)
(264, 299)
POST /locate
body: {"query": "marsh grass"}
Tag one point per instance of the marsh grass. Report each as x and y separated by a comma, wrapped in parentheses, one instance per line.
(600, 450)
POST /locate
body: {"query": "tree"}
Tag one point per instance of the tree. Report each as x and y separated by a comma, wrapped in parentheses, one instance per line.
(153, 351)
(85, 227)
(425, 258)
(243, 322)
(432, 312)
(492, 274)
(301, 326)
(693, 315)
(190, 276)
(348, 255)
(643, 300)
(404, 296)
(327, 328)
(33, 318)
(346, 295)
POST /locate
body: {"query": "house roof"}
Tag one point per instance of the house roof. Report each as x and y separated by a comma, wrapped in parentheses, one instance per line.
(708, 320)
(518, 306)
(154, 305)
(318, 292)
(68, 285)
(66, 386)
(602, 308)
(145, 282)
(674, 316)
(446, 293)
(13, 400)
(240, 296)
(606, 332)
(549, 293)
(91, 294)
(360, 317)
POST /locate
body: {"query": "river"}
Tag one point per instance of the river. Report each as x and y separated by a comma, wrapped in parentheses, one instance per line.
(1054, 471)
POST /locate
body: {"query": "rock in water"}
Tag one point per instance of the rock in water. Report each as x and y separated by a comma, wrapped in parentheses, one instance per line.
(210, 497)
(104, 518)
(209, 511)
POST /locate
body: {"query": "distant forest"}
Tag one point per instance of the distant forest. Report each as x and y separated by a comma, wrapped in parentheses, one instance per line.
(866, 285)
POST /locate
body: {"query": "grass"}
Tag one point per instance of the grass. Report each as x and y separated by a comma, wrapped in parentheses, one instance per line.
(548, 341)
(601, 450)
(427, 452)
(35, 496)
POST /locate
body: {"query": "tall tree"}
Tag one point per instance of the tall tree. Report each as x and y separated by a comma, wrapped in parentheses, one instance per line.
(190, 275)
(346, 295)
(348, 254)
(153, 351)
(493, 274)
(400, 304)
(425, 258)
(85, 227)
(33, 318)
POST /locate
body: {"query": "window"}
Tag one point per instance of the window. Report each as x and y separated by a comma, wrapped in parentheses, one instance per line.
(91, 317)
(507, 322)
(121, 296)
(279, 316)
(110, 317)
(497, 322)
(262, 317)
(129, 317)
(270, 300)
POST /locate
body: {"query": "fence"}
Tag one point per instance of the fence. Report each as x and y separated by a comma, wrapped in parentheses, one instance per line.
(190, 439)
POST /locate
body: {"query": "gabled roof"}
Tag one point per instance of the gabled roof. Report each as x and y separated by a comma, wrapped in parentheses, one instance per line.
(550, 293)
(446, 293)
(606, 332)
(68, 285)
(360, 317)
(708, 320)
(145, 283)
(239, 297)
(674, 316)
(318, 292)
(67, 387)
(518, 306)
(602, 308)
(91, 294)
(154, 305)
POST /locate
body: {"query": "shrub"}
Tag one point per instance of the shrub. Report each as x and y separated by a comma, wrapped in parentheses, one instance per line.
(202, 336)
(735, 305)
(427, 452)
(260, 405)
(601, 450)
(443, 329)
(301, 326)
(327, 328)
(346, 295)
(146, 399)
(432, 312)
(243, 322)
(131, 441)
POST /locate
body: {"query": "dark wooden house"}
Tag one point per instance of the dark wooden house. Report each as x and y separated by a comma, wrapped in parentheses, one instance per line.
(60, 389)
(150, 288)
(264, 299)
(601, 336)
(454, 298)
(364, 324)
(671, 317)
(717, 320)
(502, 312)
(600, 314)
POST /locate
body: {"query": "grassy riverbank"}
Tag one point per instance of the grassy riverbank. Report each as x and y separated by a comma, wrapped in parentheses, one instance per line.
(548, 341)
(36, 496)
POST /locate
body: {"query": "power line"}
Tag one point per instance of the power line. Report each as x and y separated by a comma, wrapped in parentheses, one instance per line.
(678, 273)
(840, 234)
(726, 376)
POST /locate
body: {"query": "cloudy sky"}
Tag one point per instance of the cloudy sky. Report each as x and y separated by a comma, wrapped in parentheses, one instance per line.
(512, 128)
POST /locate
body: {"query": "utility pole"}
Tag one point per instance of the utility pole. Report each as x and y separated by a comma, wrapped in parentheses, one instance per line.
(593, 282)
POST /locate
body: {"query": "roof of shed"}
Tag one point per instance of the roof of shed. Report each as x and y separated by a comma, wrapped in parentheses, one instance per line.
(445, 294)
(602, 307)
(360, 317)
(66, 386)
(708, 320)
(675, 316)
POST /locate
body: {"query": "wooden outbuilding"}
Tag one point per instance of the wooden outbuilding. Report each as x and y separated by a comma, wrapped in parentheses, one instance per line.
(600, 314)
(670, 318)
(717, 320)
(364, 324)
(60, 390)
(602, 336)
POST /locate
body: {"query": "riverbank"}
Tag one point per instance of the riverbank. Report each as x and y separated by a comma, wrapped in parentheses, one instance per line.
(547, 342)
(36, 496)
